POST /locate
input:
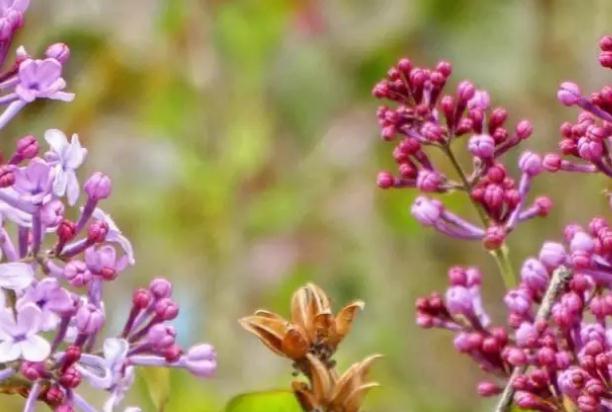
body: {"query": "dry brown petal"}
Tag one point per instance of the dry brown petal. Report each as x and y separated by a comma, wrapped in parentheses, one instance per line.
(270, 331)
(321, 302)
(355, 399)
(322, 383)
(267, 314)
(344, 320)
(294, 344)
(353, 378)
(323, 325)
(300, 308)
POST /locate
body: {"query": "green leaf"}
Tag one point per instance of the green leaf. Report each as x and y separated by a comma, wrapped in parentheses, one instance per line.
(269, 401)
(157, 381)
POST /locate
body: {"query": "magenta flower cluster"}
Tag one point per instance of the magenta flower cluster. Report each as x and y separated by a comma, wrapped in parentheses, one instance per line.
(54, 269)
(555, 351)
(585, 144)
(425, 119)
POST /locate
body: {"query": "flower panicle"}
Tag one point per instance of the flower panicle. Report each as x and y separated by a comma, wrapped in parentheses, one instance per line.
(585, 144)
(424, 117)
(59, 252)
(568, 349)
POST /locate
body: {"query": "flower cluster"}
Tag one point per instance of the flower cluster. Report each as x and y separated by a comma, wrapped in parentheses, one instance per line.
(555, 351)
(585, 144)
(562, 337)
(310, 340)
(57, 258)
(425, 118)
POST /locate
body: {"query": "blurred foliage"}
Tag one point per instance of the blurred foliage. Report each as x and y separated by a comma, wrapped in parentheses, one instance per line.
(242, 142)
(273, 401)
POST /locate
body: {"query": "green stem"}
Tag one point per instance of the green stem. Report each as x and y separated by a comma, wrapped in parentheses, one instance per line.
(502, 254)
(504, 264)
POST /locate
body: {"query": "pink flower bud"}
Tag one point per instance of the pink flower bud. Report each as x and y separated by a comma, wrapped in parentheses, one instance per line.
(552, 255)
(494, 237)
(201, 360)
(426, 211)
(385, 180)
(7, 176)
(77, 274)
(166, 309)
(89, 319)
(552, 162)
(59, 52)
(530, 163)
(569, 93)
(27, 147)
(465, 91)
(97, 231)
(429, 181)
(98, 186)
(487, 388)
(160, 288)
(482, 145)
(161, 336)
(142, 298)
(524, 129)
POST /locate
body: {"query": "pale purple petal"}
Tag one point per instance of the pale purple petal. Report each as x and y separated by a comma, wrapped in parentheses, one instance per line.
(21, 5)
(57, 140)
(60, 181)
(49, 71)
(35, 348)
(27, 72)
(107, 256)
(9, 351)
(16, 275)
(29, 318)
(75, 154)
(72, 189)
(62, 96)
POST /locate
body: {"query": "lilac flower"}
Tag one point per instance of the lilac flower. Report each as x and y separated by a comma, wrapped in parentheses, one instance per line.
(65, 158)
(201, 360)
(33, 182)
(423, 117)
(42, 251)
(115, 235)
(41, 79)
(53, 301)
(104, 263)
(15, 275)
(19, 337)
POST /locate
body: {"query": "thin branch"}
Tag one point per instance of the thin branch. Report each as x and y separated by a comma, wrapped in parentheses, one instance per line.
(559, 280)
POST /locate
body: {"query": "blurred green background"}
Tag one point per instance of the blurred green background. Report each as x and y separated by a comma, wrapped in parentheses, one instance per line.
(242, 142)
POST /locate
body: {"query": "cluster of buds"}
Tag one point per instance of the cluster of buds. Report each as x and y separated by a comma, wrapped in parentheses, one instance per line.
(585, 144)
(426, 119)
(555, 349)
(310, 340)
(58, 255)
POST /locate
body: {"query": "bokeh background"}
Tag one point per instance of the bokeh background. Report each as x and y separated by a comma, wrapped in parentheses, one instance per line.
(242, 142)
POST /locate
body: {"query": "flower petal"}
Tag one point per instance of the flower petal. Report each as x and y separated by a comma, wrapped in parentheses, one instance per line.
(57, 140)
(16, 275)
(72, 188)
(75, 154)
(35, 348)
(60, 181)
(29, 318)
(9, 351)
(49, 70)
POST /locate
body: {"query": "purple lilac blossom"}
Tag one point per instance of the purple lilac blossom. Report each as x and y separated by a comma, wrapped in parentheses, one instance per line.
(558, 359)
(54, 272)
(424, 119)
